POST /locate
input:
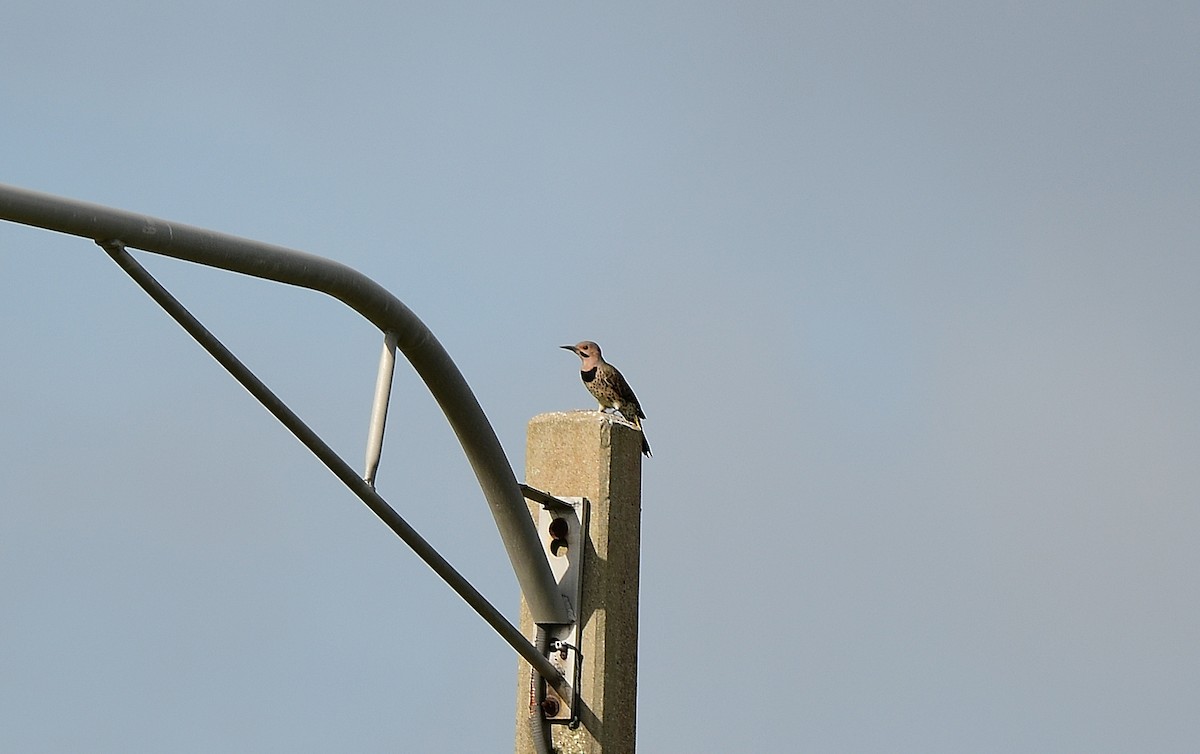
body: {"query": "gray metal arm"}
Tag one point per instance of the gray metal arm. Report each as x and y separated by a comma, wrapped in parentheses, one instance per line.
(364, 296)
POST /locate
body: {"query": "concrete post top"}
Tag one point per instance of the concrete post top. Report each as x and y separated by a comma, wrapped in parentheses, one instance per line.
(583, 416)
(582, 439)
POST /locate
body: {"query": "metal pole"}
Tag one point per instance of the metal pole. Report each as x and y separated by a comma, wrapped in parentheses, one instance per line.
(365, 296)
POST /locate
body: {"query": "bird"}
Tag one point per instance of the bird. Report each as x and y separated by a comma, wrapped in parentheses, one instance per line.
(608, 386)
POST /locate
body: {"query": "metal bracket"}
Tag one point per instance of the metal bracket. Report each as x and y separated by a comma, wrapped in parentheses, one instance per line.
(562, 527)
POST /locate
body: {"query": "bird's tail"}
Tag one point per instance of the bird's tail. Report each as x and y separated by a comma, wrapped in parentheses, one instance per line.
(633, 418)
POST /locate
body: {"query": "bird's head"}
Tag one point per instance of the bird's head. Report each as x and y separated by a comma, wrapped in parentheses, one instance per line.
(587, 351)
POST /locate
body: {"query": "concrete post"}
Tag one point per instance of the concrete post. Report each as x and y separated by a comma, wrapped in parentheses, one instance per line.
(592, 455)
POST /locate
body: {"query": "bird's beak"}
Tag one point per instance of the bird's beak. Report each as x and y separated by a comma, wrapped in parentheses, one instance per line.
(569, 348)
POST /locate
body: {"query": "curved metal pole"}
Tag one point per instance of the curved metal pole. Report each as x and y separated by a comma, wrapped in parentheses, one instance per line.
(363, 295)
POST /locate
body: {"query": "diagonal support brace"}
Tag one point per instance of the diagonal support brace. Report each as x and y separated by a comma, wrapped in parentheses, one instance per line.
(334, 463)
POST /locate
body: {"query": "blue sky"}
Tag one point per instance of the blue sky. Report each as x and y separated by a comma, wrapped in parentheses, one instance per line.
(908, 293)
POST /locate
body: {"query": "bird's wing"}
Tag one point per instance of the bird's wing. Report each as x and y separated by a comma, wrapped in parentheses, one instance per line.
(627, 397)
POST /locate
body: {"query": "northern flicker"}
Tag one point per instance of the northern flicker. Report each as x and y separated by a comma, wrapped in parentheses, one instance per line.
(608, 386)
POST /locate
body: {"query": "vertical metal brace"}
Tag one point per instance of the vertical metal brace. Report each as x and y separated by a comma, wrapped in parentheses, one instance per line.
(379, 409)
